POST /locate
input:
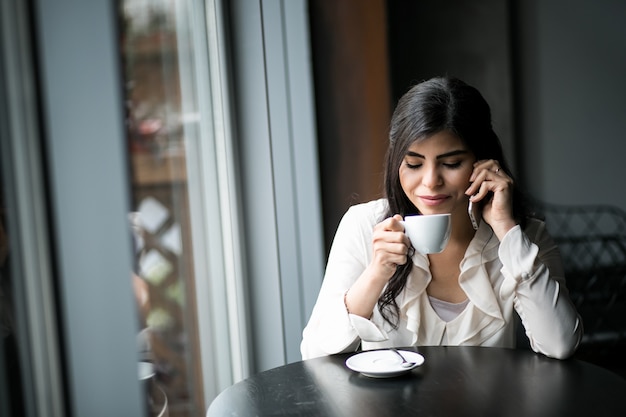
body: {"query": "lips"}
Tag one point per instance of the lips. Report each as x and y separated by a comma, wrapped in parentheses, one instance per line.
(433, 200)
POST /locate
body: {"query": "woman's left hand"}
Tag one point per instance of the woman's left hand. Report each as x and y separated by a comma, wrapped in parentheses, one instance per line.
(494, 188)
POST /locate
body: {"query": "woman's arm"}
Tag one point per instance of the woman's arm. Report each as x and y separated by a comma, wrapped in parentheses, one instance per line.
(329, 329)
(533, 260)
(363, 257)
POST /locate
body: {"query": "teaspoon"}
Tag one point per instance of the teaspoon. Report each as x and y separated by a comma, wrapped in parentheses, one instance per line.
(405, 363)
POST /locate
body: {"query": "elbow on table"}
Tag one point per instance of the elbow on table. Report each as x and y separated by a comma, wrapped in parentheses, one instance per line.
(316, 343)
(310, 351)
(567, 345)
(563, 352)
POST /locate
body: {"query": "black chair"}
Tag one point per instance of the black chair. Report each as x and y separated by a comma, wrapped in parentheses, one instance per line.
(592, 241)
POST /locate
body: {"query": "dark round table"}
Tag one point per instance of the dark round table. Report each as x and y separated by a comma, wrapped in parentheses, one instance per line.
(453, 381)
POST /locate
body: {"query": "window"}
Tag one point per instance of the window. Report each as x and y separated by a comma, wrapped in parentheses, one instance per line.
(190, 168)
(188, 268)
(149, 209)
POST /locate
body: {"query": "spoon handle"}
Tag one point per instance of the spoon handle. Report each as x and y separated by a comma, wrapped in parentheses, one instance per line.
(404, 361)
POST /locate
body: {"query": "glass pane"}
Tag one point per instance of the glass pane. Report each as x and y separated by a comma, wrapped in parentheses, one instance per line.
(11, 401)
(163, 278)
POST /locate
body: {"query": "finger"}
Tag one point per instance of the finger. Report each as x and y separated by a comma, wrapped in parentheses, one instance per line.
(479, 168)
(385, 225)
(488, 165)
(395, 249)
(388, 253)
(477, 181)
(500, 190)
(479, 193)
(381, 238)
(401, 258)
(393, 224)
(482, 187)
(495, 181)
(494, 166)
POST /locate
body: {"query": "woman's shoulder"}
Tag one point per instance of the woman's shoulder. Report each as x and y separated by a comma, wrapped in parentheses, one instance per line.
(364, 215)
(357, 224)
(371, 211)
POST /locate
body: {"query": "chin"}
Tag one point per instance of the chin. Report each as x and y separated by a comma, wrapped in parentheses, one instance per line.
(432, 210)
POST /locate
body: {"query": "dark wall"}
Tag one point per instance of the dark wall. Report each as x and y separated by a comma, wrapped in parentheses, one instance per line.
(552, 71)
(467, 39)
(368, 53)
(573, 99)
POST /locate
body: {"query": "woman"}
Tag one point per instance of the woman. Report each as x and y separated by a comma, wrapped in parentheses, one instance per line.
(377, 292)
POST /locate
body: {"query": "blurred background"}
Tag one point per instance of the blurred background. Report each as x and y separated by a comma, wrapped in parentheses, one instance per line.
(174, 171)
(549, 69)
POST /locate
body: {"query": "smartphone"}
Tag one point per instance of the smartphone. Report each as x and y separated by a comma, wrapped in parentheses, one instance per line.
(474, 214)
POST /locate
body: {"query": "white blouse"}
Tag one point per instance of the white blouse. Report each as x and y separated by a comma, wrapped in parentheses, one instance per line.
(522, 273)
(447, 311)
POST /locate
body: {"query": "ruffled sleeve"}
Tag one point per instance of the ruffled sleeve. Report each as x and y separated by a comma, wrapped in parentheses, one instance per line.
(366, 330)
(532, 263)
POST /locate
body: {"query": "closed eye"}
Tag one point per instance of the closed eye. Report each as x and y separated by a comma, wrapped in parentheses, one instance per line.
(450, 165)
(413, 166)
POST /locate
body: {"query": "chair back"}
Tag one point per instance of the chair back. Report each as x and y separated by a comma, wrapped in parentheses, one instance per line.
(592, 241)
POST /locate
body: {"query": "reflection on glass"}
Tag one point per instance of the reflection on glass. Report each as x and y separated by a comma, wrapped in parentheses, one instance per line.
(163, 275)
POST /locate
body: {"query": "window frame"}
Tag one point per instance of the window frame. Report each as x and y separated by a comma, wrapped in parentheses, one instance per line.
(277, 145)
(82, 202)
(24, 185)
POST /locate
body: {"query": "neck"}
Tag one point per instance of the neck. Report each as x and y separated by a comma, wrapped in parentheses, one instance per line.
(462, 230)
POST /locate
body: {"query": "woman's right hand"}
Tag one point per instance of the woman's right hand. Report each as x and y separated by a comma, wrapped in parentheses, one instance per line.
(391, 247)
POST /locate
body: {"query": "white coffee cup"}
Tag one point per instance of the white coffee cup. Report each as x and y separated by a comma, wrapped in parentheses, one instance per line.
(428, 233)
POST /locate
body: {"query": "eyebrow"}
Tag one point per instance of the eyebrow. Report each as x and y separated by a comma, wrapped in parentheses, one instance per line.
(442, 156)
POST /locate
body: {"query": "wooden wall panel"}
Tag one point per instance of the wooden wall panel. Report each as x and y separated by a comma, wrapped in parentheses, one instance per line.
(349, 46)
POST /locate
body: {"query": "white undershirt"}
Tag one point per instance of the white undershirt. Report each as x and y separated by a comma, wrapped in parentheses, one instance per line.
(445, 310)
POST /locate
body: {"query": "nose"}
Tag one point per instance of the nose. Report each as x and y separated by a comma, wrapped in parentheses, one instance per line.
(432, 177)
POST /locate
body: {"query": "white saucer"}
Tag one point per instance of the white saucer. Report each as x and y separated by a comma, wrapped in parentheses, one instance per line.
(383, 363)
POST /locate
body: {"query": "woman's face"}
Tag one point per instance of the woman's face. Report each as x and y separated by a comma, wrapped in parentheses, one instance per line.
(435, 172)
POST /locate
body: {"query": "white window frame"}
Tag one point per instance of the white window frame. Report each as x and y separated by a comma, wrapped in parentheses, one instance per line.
(277, 146)
(213, 196)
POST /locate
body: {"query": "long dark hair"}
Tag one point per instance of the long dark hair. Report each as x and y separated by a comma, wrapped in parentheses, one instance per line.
(433, 106)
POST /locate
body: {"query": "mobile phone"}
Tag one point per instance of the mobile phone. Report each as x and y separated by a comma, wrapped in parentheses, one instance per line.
(474, 214)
